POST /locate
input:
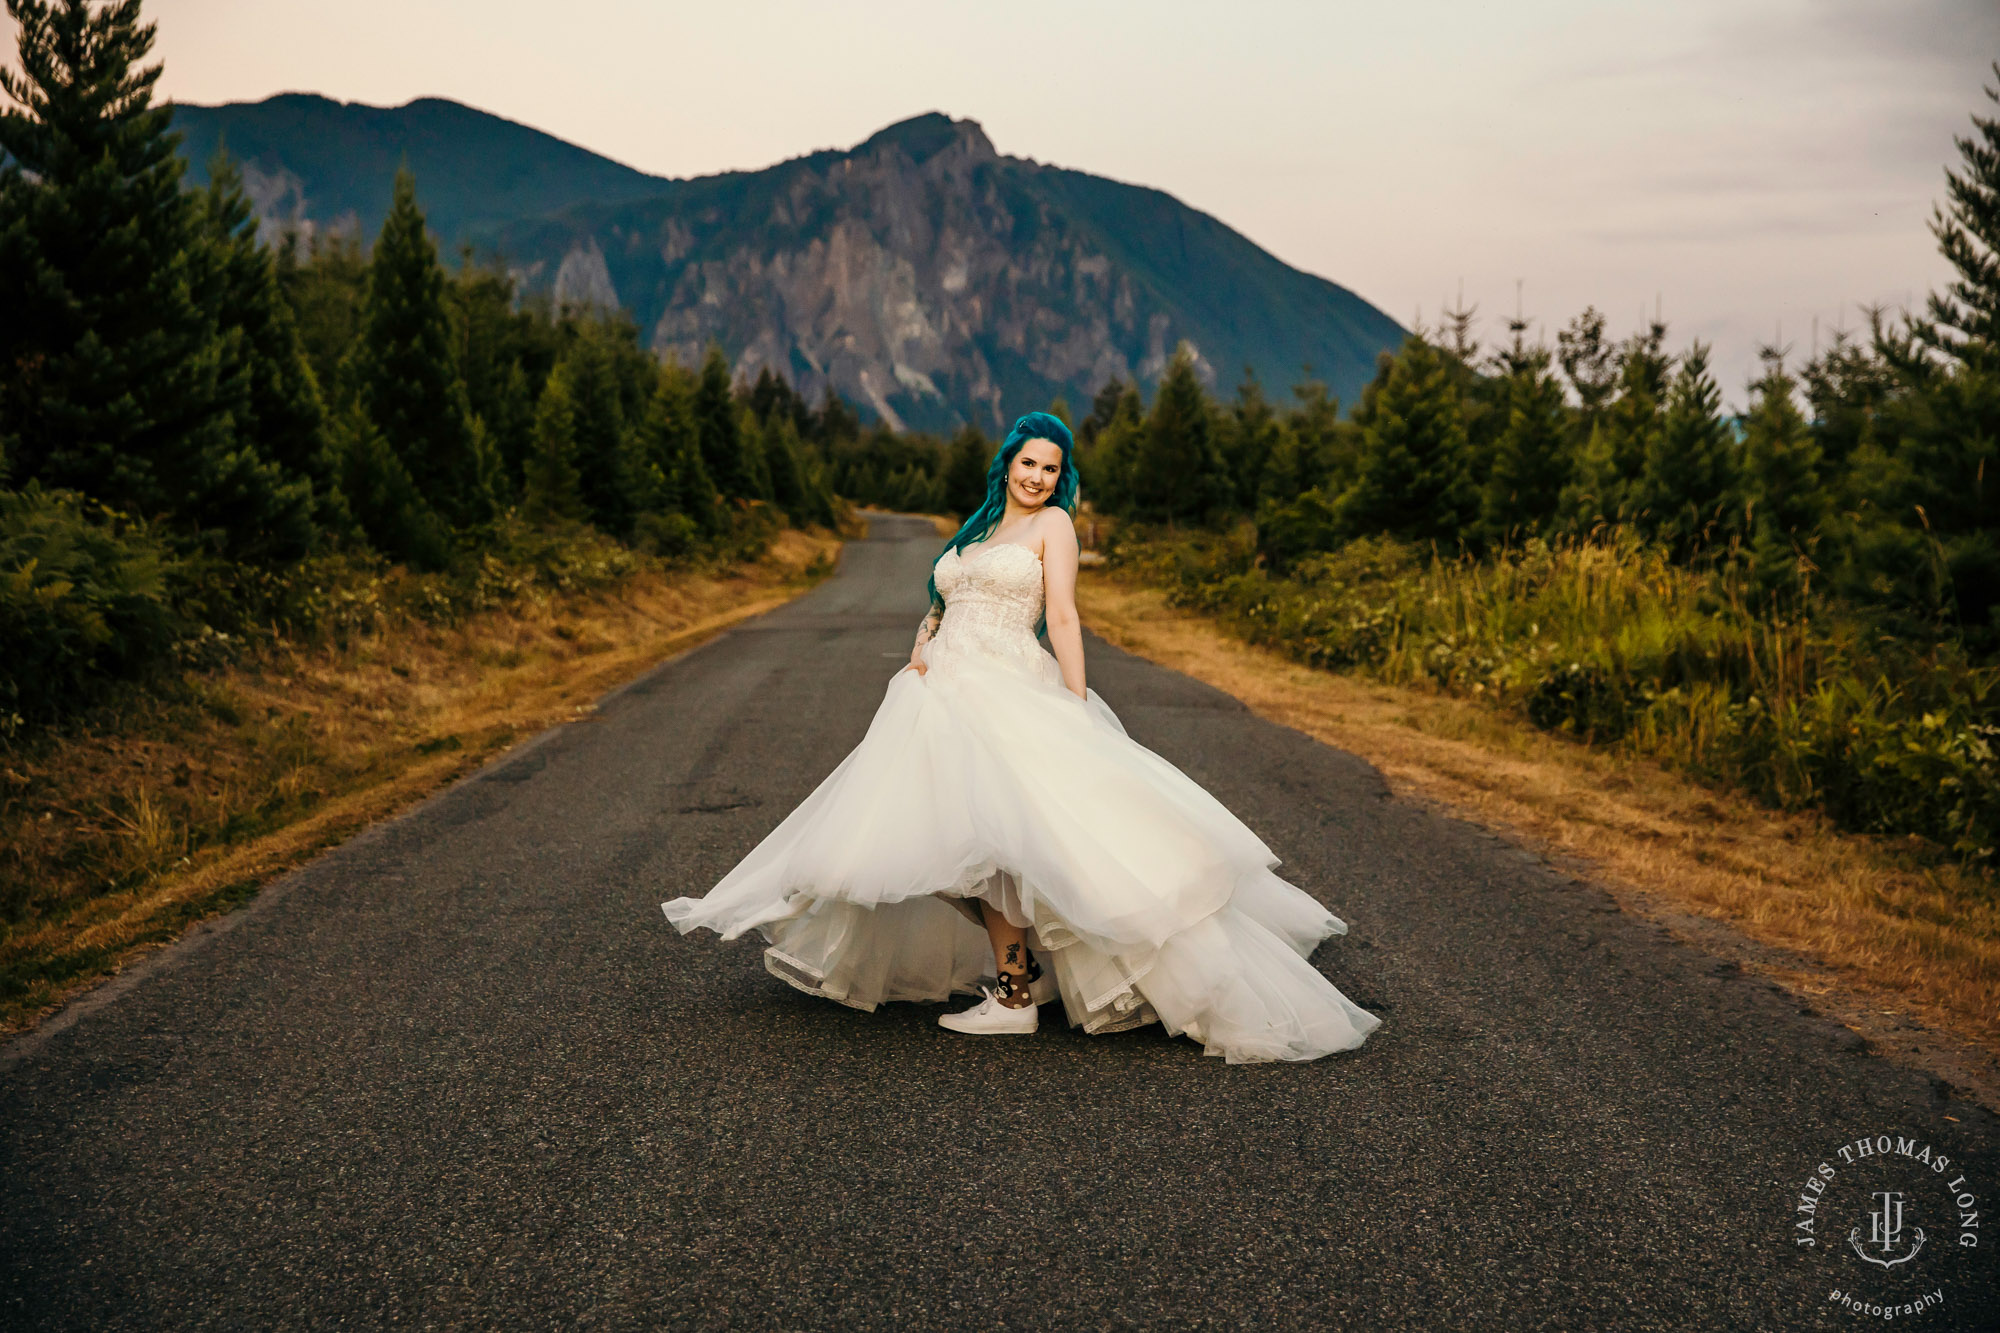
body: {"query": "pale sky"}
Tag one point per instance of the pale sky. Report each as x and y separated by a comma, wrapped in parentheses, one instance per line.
(1751, 164)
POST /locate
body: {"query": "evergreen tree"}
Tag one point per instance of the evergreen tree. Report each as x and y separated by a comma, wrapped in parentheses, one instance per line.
(1250, 433)
(504, 351)
(1178, 474)
(1102, 409)
(391, 512)
(111, 365)
(326, 293)
(280, 406)
(1590, 365)
(756, 460)
(1926, 545)
(604, 450)
(788, 478)
(1608, 469)
(835, 423)
(1413, 480)
(1104, 467)
(510, 422)
(404, 371)
(773, 396)
(670, 441)
(1787, 503)
(965, 470)
(1689, 488)
(1964, 319)
(1531, 458)
(551, 485)
(1482, 398)
(1314, 448)
(722, 450)
(1927, 549)
(1846, 386)
(1596, 492)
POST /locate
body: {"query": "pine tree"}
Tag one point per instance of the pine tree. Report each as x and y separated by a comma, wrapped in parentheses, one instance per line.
(1531, 458)
(1847, 386)
(391, 512)
(1413, 479)
(1787, 502)
(1314, 448)
(1178, 474)
(1590, 365)
(504, 352)
(1928, 549)
(404, 370)
(1964, 319)
(1608, 467)
(1250, 432)
(670, 440)
(326, 293)
(510, 422)
(1104, 466)
(551, 487)
(773, 396)
(965, 470)
(281, 408)
(835, 423)
(111, 365)
(1102, 409)
(722, 450)
(756, 457)
(604, 450)
(1689, 486)
(788, 478)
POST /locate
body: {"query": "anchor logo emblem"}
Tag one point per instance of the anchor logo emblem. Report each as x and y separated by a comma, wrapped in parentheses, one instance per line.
(1885, 1232)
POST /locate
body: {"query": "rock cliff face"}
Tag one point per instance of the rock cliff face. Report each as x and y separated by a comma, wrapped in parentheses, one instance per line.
(920, 274)
(927, 277)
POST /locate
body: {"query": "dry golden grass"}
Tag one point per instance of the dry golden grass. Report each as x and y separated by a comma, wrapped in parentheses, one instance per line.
(1846, 921)
(116, 841)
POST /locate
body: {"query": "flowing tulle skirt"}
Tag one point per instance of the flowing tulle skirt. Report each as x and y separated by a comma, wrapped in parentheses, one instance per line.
(989, 779)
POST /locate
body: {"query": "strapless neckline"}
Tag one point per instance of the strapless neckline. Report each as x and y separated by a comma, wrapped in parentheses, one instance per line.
(984, 548)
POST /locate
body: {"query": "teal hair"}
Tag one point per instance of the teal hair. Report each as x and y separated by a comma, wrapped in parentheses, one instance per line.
(1032, 426)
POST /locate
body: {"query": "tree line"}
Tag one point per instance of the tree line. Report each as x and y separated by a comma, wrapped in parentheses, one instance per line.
(1871, 473)
(188, 413)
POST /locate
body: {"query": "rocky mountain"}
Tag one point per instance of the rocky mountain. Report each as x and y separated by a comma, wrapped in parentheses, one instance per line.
(921, 274)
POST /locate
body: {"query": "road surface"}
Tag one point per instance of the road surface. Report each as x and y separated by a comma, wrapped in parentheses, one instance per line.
(461, 1072)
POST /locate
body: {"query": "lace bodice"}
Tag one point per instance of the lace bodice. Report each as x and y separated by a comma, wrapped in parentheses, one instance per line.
(992, 599)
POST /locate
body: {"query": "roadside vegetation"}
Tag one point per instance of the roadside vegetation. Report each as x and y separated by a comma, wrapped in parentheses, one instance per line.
(293, 529)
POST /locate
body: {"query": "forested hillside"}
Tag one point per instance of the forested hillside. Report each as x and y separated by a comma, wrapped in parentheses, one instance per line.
(931, 280)
(207, 441)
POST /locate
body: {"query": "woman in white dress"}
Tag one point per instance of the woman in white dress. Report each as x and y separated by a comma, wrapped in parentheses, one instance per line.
(997, 822)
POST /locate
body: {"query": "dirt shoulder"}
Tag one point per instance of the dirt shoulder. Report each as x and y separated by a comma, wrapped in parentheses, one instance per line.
(1901, 954)
(118, 840)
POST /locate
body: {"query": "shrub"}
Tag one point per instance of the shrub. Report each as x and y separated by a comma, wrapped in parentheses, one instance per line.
(84, 600)
(1801, 703)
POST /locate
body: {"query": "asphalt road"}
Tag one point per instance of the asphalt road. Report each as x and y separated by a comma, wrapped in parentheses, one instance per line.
(462, 1072)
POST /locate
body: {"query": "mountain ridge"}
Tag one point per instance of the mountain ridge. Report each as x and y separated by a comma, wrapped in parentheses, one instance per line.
(921, 273)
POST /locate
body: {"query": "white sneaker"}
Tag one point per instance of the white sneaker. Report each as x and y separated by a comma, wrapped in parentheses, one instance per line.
(991, 1018)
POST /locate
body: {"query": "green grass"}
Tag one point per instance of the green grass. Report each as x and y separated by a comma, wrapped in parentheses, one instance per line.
(1799, 704)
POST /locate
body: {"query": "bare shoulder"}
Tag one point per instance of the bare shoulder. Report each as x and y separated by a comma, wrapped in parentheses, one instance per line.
(1056, 529)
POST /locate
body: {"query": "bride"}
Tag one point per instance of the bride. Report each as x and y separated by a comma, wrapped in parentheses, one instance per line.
(996, 821)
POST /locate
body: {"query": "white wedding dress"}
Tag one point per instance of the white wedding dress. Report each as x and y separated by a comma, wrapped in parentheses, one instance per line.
(984, 776)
